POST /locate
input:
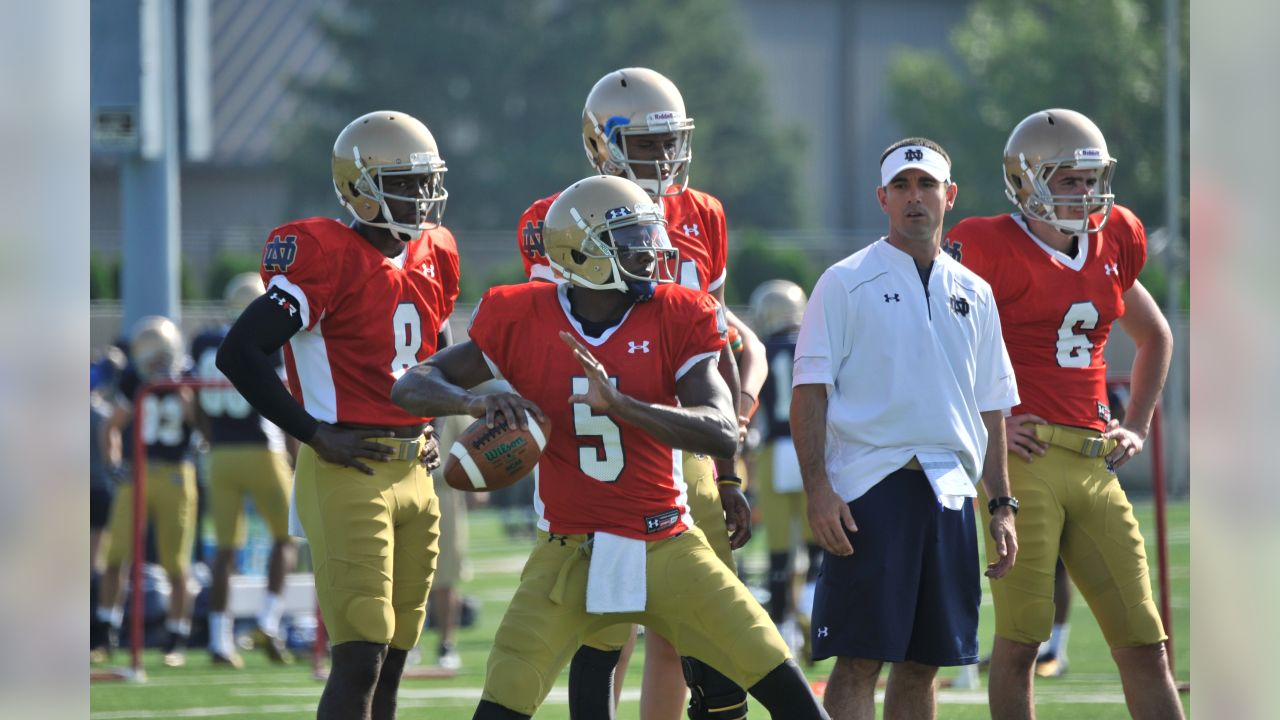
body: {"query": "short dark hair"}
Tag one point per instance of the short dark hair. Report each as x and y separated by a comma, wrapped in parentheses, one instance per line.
(921, 141)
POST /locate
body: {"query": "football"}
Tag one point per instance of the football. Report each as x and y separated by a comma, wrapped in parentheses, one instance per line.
(490, 458)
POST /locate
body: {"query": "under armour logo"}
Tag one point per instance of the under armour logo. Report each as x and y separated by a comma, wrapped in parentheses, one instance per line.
(283, 302)
(552, 537)
(429, 270)
(617, 213)
(892, 298)
(1111, 268)
(633, 347)
(914, 154)
(823, 631)
(691, 229)
(959, 306)
(280, 253)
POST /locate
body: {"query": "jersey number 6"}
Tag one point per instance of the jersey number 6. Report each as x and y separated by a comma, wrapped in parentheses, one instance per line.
(1073, 347)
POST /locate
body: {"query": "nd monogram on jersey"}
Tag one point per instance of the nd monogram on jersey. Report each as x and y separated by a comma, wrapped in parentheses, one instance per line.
(1056, 311)
(598, 474)
(695, 225)
(366, 318)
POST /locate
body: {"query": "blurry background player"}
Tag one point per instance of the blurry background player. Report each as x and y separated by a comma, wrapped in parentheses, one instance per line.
(1064, 269)
(355, 306)
(246, 458)
(610, 479)
(634, 126)
(444, 609)
(104, 375)
(168, 421)
(777, 307)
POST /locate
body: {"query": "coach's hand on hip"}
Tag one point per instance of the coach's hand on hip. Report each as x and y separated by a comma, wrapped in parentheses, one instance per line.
(1006, 537)
(828, 518)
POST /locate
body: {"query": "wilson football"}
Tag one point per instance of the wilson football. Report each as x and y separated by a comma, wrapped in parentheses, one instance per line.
(490, 458)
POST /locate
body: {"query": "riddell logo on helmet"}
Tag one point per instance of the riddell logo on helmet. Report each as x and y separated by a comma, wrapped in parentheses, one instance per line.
(662, 116)
(1088, 154)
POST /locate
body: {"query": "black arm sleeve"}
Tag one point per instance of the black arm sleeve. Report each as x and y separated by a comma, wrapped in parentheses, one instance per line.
(246, 359)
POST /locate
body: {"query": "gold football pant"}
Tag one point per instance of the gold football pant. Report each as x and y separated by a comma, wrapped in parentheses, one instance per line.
(708, 514)
(1072, 505)
(253, 470)
(373, 542)
(781, 512)
(692, 599)
(170, 504)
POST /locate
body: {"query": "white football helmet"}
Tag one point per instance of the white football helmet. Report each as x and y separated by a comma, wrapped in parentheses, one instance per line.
(1046, 142)
(241, 290)
(637, 101)
(777, 305)
(155, 347)
(379, 146)
(596, 225)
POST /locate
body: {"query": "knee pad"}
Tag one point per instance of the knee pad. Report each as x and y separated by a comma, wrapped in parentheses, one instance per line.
(712, 696)
(493, 711)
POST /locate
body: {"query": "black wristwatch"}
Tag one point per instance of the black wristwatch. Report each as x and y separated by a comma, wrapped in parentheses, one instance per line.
(1003, 501)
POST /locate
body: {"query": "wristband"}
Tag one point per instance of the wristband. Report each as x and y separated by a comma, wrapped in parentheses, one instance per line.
(1003, 501)
(729, 480)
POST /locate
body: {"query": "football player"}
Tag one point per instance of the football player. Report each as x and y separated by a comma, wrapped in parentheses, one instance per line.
(354, 306)
(777, 307)
(634, 125)
(167, 422)
(247, 458)
(622, 361)
(1064, 268)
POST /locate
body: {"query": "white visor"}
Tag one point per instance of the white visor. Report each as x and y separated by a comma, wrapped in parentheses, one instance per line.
(914, 156)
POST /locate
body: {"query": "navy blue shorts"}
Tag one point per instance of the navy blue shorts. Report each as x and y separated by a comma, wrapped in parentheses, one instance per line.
(911, 588)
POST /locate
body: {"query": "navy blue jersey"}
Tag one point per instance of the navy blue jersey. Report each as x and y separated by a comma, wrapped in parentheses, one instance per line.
(775, 396)
(231, 418)
(165, 429)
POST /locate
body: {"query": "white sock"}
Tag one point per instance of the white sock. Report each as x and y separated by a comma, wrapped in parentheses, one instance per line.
(219, 633)
(114, 616)
(269, 617)
(1058, 640)
(178, 627)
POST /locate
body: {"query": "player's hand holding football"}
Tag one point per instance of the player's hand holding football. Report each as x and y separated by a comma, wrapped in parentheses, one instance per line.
(1020, 430)
(601, 394)
(509, 405)
(1006, 537)
(346, 445)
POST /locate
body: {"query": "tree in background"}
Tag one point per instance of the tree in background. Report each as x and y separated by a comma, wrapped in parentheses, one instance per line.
(1103, 58)
(501, 84)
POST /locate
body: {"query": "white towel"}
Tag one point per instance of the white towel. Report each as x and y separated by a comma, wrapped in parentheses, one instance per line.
(786, 467)
(616, 577)
(950, 482)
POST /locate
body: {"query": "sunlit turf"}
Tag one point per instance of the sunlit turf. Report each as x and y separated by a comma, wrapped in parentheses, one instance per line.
(1091, 689)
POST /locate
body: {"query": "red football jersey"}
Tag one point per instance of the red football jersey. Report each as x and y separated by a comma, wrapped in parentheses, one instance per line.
(1056, 311)
(695, 224)
(366, 318)
(598, 473)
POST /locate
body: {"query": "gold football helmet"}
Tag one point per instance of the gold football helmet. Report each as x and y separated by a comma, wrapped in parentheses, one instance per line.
(377, 147)
(155, 347)
(1046, 142)
(605, 233)
(241, 290)
(777, 305)
(637, 101)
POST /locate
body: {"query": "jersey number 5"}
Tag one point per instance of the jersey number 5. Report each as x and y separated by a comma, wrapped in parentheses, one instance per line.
(1074, 347)
(603, 464)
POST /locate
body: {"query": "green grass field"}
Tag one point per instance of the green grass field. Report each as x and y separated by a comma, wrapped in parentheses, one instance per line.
(1090, 690)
